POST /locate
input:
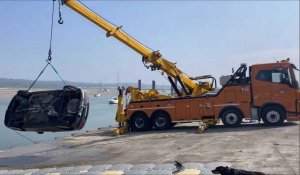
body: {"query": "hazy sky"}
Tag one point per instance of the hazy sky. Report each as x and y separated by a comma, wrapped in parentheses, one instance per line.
(203, 37)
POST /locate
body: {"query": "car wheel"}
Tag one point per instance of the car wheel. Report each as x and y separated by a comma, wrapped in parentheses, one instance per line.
(140, 122)
(161, 120)
(273, 115)
(232, 117)
(84, 119)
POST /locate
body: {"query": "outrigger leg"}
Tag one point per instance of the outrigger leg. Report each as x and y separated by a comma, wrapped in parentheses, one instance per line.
(120, 115)
(204, 124)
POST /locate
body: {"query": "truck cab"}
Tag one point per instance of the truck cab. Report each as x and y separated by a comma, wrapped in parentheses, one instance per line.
(275, 92)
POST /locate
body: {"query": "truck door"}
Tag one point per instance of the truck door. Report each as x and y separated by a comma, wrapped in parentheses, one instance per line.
(274, 86)
(281, 89)
(261, 86)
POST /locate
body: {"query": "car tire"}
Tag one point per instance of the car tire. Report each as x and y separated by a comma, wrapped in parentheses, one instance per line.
(231, 117)
(86, 110)
(273, 115)
(140, 122)
(161, 120)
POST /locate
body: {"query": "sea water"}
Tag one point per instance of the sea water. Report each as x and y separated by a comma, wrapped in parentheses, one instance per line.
(101, 114)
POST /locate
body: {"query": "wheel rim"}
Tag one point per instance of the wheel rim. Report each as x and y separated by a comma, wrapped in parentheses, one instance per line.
(273, 116)
(231, 118)
(160, 122)
(139, 123)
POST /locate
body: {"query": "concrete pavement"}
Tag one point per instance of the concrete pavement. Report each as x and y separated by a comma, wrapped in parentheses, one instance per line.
(254, 147)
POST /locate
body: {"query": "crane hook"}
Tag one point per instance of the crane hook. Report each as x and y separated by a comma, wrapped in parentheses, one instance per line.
(60, 21)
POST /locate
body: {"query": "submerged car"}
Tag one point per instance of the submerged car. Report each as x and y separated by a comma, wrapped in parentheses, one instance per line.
(48, 111)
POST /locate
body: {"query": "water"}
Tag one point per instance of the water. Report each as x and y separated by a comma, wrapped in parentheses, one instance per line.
(101, 114)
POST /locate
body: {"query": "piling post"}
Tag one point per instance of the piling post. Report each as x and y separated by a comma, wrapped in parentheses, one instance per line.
(140, 84)
(153, 84)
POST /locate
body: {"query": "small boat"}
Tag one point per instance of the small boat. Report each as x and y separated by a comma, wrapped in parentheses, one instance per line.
(97, 95)
(48, 111)
(113, 100)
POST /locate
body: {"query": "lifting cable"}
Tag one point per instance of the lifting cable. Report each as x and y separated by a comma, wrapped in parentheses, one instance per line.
(25, 137)
(49, 59)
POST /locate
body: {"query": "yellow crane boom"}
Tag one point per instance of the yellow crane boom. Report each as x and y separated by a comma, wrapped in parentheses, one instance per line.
(152, 59)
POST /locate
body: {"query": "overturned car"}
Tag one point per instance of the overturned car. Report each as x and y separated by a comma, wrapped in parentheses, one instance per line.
(48, 111)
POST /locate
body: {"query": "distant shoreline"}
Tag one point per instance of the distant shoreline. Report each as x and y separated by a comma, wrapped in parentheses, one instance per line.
(10, 92)
(5, 92)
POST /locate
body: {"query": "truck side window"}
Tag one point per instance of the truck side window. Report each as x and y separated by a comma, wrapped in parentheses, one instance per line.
(276, 76)
(264, 75)
(281, 76)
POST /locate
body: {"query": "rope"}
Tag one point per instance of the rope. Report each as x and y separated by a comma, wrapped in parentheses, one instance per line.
(25, 137)
(57, 73)
(51, 31)
(48, 63)
(48, 60)
(38, 76)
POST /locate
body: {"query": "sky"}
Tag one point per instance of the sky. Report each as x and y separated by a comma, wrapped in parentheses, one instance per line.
(203, 37)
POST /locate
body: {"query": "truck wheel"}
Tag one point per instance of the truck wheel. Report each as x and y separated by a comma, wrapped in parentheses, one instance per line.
(273, 115)
(140, 122)
(232, 117)
(161, 120)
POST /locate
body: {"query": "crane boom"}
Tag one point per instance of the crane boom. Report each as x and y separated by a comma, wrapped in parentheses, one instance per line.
(152, 59)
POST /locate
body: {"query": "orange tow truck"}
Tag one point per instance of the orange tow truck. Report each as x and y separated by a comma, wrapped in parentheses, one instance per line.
(270, 92)
(267, 91)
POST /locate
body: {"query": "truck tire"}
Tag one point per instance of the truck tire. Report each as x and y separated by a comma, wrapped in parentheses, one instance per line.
(273, 115)
(140, 122)
(231, 117)
(161, 120)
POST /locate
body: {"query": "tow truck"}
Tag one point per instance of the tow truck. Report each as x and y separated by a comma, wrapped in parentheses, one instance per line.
(268, 92)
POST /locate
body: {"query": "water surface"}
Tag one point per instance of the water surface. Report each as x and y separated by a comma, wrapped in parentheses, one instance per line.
(101, 114)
